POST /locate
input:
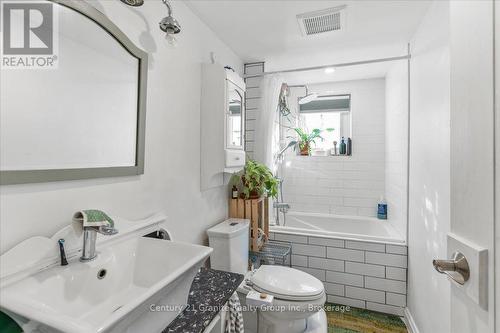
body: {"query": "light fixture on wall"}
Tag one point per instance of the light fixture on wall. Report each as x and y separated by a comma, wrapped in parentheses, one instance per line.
(329, 70)
(169, 25)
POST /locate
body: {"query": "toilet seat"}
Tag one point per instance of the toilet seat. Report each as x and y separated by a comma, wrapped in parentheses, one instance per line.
(287, 283)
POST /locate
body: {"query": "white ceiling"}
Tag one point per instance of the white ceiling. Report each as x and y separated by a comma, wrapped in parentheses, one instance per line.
(267, 30)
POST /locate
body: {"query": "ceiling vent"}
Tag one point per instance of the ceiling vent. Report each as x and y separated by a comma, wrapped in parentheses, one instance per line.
(321, 21)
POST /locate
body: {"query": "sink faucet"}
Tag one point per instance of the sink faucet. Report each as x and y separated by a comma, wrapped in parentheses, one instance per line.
(89, 238)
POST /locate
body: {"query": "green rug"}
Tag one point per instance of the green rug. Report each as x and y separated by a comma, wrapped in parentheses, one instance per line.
(345, 319)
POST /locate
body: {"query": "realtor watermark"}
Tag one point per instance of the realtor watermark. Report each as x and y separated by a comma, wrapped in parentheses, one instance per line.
(29, 38)
(248, 308)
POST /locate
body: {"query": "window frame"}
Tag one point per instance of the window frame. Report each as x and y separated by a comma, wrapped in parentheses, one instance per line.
(339, 110)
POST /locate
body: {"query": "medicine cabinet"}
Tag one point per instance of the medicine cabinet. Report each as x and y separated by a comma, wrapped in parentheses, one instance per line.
(222, 125)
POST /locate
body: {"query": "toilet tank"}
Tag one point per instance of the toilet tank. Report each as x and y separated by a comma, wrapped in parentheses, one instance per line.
(229, 240)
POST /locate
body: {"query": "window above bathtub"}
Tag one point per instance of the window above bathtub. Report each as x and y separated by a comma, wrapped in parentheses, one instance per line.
(325, 112)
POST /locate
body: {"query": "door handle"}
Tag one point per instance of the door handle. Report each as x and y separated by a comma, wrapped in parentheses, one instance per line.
(457, 268)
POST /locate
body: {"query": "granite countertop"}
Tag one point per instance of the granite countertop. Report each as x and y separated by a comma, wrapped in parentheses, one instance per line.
(210, 290)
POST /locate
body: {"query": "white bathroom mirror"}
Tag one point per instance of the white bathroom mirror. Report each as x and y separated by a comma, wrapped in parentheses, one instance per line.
(234, 116)
(83, 119)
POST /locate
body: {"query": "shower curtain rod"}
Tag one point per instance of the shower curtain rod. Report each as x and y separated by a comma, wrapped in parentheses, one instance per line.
(408, 56)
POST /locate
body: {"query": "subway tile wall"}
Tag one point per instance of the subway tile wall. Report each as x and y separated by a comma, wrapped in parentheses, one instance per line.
(344, 185)
(252, 101)
(396, 138)
(356, 273)
(336, 185)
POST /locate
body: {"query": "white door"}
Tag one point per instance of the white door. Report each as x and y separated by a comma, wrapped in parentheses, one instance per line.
(473, 160)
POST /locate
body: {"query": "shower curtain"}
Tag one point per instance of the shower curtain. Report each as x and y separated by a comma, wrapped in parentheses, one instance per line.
(266, 141)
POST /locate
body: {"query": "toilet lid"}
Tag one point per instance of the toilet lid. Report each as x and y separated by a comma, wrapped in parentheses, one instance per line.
(287, 283)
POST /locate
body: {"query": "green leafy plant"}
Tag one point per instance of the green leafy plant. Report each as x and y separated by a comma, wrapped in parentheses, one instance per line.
(255, 180)
(305, 139)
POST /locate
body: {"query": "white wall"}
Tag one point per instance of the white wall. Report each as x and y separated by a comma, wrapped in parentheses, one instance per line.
(396, 144)
(429, 185)
(472, 150)
(348, 185)
(171, 182)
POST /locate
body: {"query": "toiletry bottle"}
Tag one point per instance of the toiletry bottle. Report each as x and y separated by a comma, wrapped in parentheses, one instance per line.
(342, 146)
(234, 192)
(382, 209)
(334, 149)
(349, 147)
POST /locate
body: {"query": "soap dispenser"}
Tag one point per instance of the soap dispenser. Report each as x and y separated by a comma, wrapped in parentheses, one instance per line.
(382, 209)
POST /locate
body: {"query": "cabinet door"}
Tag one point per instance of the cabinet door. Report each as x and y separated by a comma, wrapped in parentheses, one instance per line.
(235, 116)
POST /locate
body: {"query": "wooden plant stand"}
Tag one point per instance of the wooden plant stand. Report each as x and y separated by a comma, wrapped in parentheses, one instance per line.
(257, 211)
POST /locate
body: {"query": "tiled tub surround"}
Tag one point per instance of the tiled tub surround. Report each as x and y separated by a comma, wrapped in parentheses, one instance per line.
(345, 185)
(332, 184)
(340, 226)
(368, 275)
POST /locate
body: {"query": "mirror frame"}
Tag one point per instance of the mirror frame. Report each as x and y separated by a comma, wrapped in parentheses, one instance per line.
(9, 177)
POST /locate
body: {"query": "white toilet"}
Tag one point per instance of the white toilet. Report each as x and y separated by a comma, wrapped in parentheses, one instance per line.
(298, 297)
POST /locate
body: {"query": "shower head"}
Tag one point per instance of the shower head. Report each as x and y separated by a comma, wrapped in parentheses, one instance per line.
(133, 3)
(169, 24)
(308, 98)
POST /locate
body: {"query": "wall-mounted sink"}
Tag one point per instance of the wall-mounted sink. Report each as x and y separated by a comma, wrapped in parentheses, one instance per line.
(117, 292)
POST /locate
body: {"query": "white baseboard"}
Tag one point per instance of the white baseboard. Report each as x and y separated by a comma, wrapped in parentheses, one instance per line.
(410, 322)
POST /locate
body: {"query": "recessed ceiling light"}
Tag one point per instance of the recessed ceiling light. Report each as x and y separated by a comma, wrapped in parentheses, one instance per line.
(329, 70)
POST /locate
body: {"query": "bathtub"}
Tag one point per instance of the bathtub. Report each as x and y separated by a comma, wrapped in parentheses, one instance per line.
(339, 226)
(362, 261)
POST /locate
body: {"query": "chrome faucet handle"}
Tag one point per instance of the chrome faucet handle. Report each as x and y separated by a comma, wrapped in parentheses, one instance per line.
(89, 240)
(106, 230)
(457, 268)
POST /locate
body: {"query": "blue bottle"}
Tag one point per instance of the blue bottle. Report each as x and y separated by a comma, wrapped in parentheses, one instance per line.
(382, 209)
(342, 149)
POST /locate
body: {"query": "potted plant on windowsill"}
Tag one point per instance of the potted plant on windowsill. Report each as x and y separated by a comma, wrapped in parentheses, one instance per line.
(305, 140)
(255, 181)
